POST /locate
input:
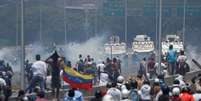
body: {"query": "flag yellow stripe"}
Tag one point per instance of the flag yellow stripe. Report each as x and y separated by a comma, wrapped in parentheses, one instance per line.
(72, 72)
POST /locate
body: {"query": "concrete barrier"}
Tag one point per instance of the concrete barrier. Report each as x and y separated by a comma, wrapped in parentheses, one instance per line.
(169, 80)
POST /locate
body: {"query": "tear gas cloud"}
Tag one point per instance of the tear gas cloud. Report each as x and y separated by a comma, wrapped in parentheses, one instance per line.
(93, 47)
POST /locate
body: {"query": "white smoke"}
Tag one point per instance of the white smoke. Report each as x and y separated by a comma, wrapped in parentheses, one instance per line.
(93, 47)
(12, 55)
(9, 55)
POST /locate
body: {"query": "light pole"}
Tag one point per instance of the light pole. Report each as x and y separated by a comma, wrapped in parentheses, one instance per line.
(156, 34)
(159, 35)
(65, 25)
(86, 12)
(22, 46)
(184, 22)
(17, 25)
(40, 25)
(126, 19)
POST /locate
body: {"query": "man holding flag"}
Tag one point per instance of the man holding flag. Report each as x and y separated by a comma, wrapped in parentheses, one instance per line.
(54, 61)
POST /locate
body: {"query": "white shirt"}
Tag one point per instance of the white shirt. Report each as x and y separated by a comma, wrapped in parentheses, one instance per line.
(197, 96)
(101, 66)
(157, 67)
(39, 68)
(2, 82)
(104, 78)
(181, 58)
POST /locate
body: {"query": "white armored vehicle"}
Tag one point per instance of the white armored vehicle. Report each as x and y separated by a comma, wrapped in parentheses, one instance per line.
(142, 43)
(115, 46)
(172, 40)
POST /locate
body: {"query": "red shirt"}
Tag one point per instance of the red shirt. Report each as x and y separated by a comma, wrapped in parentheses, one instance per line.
(186, 97)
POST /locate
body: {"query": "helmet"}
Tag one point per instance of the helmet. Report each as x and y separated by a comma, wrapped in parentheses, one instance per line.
(25, 98)
(120, 79)
(176, 91)
(124, 91)
(156, 80)
(108, 98)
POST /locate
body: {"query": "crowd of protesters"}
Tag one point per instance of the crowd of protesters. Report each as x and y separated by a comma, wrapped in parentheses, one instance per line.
(107, 74)
(37, 72)
(139, 89)
(6, 74)
(172, 63)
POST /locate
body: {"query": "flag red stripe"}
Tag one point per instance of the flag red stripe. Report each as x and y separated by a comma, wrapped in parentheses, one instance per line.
(86, 86)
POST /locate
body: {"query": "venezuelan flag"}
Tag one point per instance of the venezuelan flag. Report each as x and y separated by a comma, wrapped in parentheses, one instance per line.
(76, 79)
(90, 70)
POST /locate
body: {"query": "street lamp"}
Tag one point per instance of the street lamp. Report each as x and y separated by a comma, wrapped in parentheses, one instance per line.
(22, 85)
(184, 22)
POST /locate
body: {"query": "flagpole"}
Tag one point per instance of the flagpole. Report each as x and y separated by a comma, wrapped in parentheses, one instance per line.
(22, 46)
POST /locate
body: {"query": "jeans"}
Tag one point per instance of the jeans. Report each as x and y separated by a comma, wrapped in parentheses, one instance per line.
(172, 68)
(36, 80)
(152, 74)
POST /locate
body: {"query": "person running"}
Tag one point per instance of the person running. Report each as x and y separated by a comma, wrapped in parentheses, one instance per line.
(39, 69)
(171, 58)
